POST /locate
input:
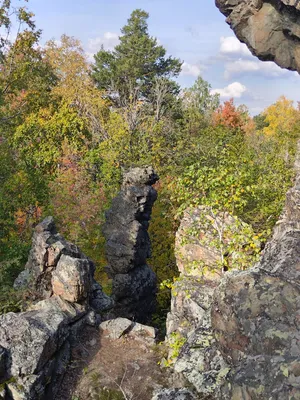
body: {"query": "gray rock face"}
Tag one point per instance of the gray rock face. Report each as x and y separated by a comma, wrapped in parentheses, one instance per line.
(245, 343)
(35, 346)
(58, 267)
(72, 279)
(190, 318)
(100, 302)
(37, 352)
(269, 28)
(128, 245)
(31, 339)
(118, 327)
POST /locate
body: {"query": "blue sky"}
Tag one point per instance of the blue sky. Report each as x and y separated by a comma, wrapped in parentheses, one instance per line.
(194, 30)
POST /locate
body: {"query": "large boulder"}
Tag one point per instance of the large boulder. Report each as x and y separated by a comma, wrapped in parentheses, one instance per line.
(210, 242)
(117, 328)
(270, 29)
(37, 352)
(31, 339)
(72, 279)
(58, 267)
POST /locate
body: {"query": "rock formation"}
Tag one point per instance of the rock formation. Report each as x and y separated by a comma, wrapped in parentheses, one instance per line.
(192, 296)
(270, 28)
(128, 245)
(242, 332)
(58, 267)
(35, 345)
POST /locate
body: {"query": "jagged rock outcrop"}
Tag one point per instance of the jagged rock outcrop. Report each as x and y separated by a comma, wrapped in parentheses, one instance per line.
(245, 336)
(270, 28)
(128, 245)
(58, 267)
(199, 260)
(35, 346)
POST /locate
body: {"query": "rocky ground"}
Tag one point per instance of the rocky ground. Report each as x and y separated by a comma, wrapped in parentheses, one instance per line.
(109, 368)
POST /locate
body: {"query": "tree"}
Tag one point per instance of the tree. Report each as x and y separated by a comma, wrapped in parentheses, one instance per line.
(24, 77)
(230, 116)
(281, 118)
(260, 122)
(75, 86)
(199, 105)
(129, 73)
(25, 83)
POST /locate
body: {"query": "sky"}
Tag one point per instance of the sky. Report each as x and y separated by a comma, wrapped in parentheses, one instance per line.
(194, 31)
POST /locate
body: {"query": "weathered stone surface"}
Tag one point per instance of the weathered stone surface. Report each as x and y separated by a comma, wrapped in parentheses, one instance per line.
(269, 28)
(48, 247)
(140, 176)
(174, 394)
(255, 318)
(72, 279)
(143, 330)
(31, 339)
(100, 302)
(134, 293)
(190, 307)
(190, 318)
(116, 328)
(143, 333)
(23, 280)
(44, 384)
(58, 267)
(71, 311)
(37, 347)
(128, 245)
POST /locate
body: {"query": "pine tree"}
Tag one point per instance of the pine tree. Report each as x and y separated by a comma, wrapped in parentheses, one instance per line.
(129, 73)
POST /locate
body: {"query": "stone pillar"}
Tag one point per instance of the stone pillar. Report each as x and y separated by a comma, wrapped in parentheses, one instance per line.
(128, 245)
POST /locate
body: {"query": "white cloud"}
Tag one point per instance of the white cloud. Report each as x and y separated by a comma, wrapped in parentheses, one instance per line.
(234, 90)
(231, 46)
(191, 69)
(239, 67)
(109, 40)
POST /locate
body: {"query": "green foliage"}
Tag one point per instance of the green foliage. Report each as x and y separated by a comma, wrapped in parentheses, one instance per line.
(130, 70)
(77, 203)
(199, 105)
(175, 343)
(260, 122)
(36, 139)
(234, 175)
